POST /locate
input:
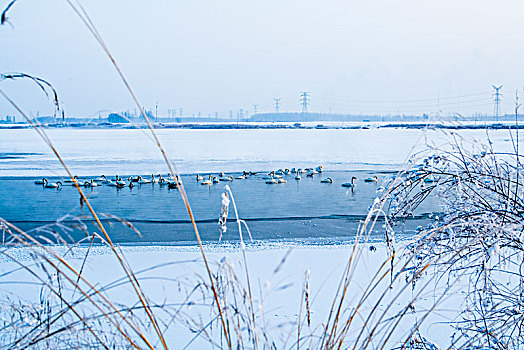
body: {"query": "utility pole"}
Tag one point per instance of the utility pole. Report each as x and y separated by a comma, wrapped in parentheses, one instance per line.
(496, 101)
(277, 105)
(304, 100)
(255, 107)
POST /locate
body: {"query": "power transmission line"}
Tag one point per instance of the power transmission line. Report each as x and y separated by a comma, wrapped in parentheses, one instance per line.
(304, 100)
(277, 104)
(496, 101)
(404, 101)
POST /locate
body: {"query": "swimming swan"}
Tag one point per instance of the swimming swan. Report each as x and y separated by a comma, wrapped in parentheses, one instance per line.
(90, 184)
(57, 184)
(120, 183)
(350, 184)
(327, 181)
(41, 182)
(100, 179)
(141, 180)
(371, 179)
(69, 180)
(208, 181)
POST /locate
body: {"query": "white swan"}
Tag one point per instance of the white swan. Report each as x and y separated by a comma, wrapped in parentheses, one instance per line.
(120, 183)
(69, 180)
(371, 179)
(100, 179)
(215, 180)
(199, 177)
(318, 169)
(269, 176)
(90, 184)
(57, 184)
(208, 181)
(298, 177)
(327, 181)
(225, 178)
(272, 181)
(241, 177)
(350, 184)
(281, 181)
(141, 180)
(41, 182)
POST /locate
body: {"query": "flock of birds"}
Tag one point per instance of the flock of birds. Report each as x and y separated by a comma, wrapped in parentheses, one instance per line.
(277, 177)
(116, 181)
(273, 177)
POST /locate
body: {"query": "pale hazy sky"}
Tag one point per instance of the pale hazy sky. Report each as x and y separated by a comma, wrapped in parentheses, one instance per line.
(224, 55)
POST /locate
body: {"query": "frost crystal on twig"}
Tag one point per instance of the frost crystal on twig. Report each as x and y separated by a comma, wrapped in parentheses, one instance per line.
(224, 212)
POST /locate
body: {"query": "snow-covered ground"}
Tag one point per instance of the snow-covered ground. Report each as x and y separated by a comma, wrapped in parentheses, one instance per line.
(278, 294)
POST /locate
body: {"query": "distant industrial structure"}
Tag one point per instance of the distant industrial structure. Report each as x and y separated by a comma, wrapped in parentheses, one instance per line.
(304, 100)
(321, 117)
(8, 120)
(300, 113)
(496, 101)
(277, 105)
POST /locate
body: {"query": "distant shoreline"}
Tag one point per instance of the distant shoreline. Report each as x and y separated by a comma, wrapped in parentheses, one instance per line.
(328, 125)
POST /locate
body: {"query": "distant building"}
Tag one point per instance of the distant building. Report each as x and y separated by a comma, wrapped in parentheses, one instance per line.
(116, 118)
(8, 119)
(313, 117)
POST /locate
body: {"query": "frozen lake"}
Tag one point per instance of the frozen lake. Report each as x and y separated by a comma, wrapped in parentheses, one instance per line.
(130, 151)
(305, 210)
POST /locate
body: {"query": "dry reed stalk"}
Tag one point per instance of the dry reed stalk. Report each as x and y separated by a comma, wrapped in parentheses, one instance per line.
(84, 17)
(126, 269)
(243, 247)
(34, 243)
